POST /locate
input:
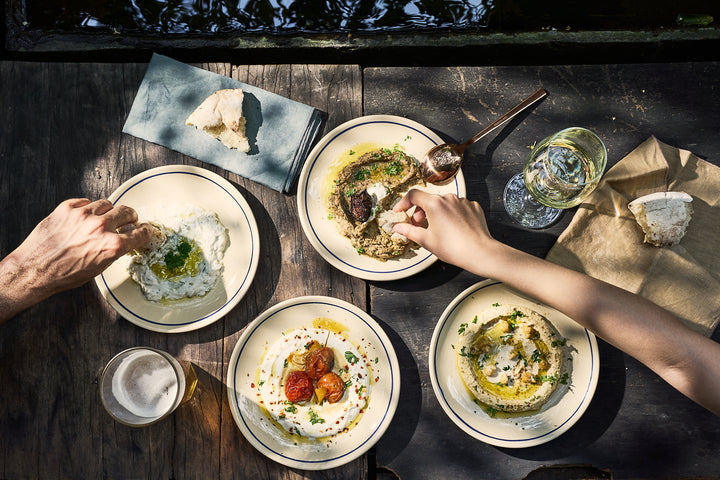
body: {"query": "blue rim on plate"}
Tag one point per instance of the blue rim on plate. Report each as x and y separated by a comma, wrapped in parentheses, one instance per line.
(384, 130)
(565, 406)
(194, 186)
(268, 437)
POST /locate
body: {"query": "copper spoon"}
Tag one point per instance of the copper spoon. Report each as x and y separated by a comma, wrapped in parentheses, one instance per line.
(442, 162)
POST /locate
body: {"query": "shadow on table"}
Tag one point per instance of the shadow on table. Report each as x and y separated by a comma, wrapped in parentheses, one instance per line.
(597, 418)
(407, 415)
(267, 276)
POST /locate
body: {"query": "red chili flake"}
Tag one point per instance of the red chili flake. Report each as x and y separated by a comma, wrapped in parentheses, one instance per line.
(377, 379)
(252, 385)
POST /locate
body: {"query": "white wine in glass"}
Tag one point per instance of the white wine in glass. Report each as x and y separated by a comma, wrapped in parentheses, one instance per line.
(560, 172)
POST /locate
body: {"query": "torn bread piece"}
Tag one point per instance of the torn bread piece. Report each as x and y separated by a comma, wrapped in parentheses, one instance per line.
(663, 216)
(388, 218)
(220, 115)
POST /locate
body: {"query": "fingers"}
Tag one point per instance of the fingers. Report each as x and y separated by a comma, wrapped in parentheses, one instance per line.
(414, 233)
(413, 197)
(119, 216)
(76, 202)
(100, 207)
(135, 236)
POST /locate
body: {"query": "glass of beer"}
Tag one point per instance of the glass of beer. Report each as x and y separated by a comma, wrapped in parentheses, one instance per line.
(142, 385)
(560, 172)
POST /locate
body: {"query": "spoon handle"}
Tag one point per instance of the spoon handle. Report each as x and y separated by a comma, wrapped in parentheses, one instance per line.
(541, 93)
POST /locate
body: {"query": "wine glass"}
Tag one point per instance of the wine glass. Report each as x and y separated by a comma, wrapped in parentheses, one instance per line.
(560, 172)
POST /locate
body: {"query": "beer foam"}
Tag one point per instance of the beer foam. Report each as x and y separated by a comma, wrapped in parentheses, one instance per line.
(145, 384)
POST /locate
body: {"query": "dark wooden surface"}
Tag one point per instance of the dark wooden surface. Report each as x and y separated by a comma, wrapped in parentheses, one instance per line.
(61, 137)
(636, 426)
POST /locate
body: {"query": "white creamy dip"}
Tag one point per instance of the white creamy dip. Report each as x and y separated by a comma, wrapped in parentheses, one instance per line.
(308, 418)
(201, 232)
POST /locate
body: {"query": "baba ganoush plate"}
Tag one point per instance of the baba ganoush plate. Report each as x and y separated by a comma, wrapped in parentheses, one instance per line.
(330, 155)
(165, 189)
(249, 376)
(565, 405)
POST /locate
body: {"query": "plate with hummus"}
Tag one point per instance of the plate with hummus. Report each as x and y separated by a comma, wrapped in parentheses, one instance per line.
(348, 187)
(201, 260)
(509, 371)
(313, 383)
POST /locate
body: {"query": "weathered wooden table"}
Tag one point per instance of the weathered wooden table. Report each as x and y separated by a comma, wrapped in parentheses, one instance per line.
(61, 138)
(637, 426)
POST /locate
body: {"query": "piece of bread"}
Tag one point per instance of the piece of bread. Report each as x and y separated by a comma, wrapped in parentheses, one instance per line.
(220, 115)
(387, 218)
(663, 216)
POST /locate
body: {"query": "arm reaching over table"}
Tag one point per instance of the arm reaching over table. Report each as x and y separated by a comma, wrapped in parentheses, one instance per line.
(457, 233)
(76, 242)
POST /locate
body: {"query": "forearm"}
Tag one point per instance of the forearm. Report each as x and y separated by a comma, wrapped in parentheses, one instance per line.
(683, 357)
(20, 287)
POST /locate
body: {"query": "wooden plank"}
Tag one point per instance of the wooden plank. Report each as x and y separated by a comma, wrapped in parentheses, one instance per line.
(294, 267)
(634, 415)
(63, 139)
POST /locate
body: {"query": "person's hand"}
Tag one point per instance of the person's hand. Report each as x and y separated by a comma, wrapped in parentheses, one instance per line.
(456, 230)
(76, 242)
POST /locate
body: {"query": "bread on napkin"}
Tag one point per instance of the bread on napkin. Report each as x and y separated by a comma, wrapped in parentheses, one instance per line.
(604, 240)
(220, 115)
(663, 216)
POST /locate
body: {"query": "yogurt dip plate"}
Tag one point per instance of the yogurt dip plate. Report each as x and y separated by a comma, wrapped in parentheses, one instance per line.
(245, 388)
(177, 185)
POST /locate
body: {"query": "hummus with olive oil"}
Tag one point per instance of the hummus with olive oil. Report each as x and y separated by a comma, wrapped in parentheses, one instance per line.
(364, 193)
(510, 358)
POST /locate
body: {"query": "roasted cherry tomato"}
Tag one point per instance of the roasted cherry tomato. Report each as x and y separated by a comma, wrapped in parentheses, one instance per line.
(298, 387)
(319, 362)
(334, 385)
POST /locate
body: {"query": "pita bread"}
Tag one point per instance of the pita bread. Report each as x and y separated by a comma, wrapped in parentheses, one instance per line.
(663, 216)
(220, 116)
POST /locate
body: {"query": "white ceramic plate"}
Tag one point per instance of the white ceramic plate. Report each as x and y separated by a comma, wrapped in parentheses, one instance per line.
(565, 406)
(271, 439)
(385, 131)
(186, 184)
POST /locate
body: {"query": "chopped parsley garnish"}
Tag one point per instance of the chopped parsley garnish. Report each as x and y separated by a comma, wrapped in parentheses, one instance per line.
(463, 353)
(393, 168)
(462, 328)
(536, 356)
(291, 408)
(560, 343)
(362, 174)
(350, 357)
(174, 260)
(314, 417)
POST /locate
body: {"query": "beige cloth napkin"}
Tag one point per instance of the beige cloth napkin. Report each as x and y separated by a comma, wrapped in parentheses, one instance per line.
(604, 240)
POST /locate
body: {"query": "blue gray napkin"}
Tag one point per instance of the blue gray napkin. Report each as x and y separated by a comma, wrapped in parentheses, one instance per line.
(281, 131)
